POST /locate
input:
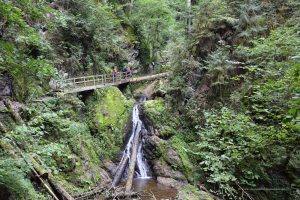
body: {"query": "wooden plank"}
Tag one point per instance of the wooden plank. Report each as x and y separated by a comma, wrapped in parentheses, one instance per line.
(94, 82)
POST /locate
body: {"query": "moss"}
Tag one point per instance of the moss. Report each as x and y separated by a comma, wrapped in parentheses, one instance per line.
(190, 192)
(109, 112)
(167, 131)
(155, 111)
(161, 148)
(110, 108)
(186, 166)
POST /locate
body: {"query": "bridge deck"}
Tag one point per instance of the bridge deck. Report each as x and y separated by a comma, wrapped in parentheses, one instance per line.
(79, 84)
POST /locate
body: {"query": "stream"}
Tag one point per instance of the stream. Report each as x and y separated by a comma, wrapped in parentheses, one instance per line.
(143, 181)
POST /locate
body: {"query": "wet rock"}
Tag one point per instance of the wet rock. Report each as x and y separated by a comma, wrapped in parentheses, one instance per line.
(94, 174)
(170, 182)
(162, 169)
(189, 192)
(172, 157)
(151, 146)
(110, 167)
(105, 177)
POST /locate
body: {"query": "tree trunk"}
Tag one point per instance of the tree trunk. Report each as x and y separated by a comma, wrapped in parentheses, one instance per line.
(132, 161)
(14, 114)
(131, 6)
(120, 171)
(2, 128)
(189, 16)
(55, 184)
(48, 176)
(16, 152)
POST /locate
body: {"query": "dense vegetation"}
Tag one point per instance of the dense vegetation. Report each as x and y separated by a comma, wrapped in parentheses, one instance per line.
(233, 95)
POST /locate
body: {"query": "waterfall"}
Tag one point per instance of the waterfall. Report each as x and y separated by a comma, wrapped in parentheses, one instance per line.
(141, 168)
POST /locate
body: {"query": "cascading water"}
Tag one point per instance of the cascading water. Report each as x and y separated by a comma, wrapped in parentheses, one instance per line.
(142, 169)
(133, 155)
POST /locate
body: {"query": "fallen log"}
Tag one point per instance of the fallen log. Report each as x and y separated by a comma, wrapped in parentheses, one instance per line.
(120, 171)
(44, 177)
(36, 174)
(11, 110)
(133, 159)
(122, 195)
(92, 193)
(61, 190)
(53, 183)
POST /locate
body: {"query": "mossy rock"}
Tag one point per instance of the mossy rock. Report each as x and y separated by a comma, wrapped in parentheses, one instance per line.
(190, 192)
(167, 132)
(111, 108)
(160, 116)
(186, 165)
(155, 110)
(109, 113)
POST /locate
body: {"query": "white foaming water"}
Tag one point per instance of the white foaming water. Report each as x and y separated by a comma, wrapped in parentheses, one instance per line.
(142, 166)
(137, 125)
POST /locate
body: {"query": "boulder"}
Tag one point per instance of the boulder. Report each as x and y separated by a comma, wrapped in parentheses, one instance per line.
(170, 182)
(110, 167)
(152, 146)
(172, 157)
(162, 169)
(105, 177)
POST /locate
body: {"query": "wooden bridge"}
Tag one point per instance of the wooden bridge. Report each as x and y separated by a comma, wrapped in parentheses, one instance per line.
(84, 83)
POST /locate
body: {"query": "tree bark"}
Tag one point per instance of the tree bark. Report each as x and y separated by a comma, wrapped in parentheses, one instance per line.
(16, 152)
(132, 161)
(55, 184)
(120, 171)
(131, 6)
(2, 128)
(14, 114)
(189, 16)
(48, 176)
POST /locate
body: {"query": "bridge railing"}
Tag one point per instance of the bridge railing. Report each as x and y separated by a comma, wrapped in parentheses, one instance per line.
(90, 81)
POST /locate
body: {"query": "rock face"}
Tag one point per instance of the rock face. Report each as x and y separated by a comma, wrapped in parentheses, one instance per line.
(164, 159)
(170, 182)
(5, 85)
(109, 114)
(164, 149)
(162, 169)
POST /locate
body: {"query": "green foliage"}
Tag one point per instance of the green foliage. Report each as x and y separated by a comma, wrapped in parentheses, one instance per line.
(61, 141)
(23, 49)
(231, 146)
(210, 15)
(92, 39)
(14, 179)
(155, 30)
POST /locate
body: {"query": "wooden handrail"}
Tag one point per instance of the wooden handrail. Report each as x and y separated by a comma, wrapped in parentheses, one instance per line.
(96, 81)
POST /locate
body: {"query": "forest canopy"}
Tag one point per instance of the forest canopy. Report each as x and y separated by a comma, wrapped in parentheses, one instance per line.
(233, 92)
